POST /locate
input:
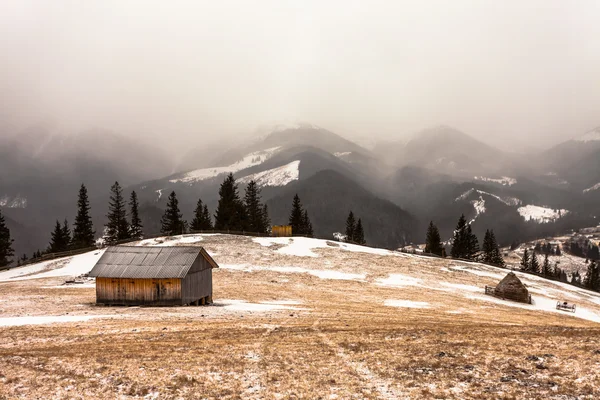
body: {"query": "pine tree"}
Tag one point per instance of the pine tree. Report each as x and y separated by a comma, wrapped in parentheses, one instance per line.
(350, 228)
(254, 209)
(472, 244)
(58, 240)
(135, 228)
(576, 279)
(206, 219)
(296, 217)
(66, 232)
(83, 231)
(197, 221)
(525, 261)
(592, 277)
(306, 226)
(171, 222)
(433, 240)
(117, 227)
(546, 268)
(488, 247)
(266, 220)
(230, 213)
(558, 250)
(496, 255)
(6, 249)
(460, 241)
(359, 234)
(534, 266)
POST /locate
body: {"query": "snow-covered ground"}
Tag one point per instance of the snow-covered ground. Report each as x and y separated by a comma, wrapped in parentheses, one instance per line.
(13, 202)
(68, 266)
(250, 160)
(540, 214)
(279, 176)
(342, 153)
(302, 247)
(504, 181)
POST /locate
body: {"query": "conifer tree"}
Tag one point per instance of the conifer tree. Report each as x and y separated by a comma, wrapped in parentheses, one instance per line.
(136, 227)
(359, 234)
(230, 213)
(558, 250)
(6, 249)
(197, 221)
(433, 240)
(296, 216)
(525, 261)
(472, 244)
(66, 232)
(576, 279)
(266, 220)
(254, 209)
(206, 218)
(83, 230)
(592, 277)
(58, 241)
(117, 227)
(351, 228)
(172, 222)
(460, 242)
(535, 264)
(306, 227)
(546, 268)
(496, 255)
(488, 247)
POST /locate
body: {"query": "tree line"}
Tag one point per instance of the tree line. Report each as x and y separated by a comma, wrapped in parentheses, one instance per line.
(233, 213)
(465, 244)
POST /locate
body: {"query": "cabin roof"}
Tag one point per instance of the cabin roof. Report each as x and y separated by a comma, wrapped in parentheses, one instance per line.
(139, 262)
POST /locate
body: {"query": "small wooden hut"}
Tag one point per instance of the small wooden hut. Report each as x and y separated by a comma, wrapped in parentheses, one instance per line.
(512, 288)
(281, 230)
(156, 276)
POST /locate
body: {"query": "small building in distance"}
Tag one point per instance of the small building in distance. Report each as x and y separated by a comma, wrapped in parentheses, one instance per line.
(281, 230)
(512, 288)
(154, 276)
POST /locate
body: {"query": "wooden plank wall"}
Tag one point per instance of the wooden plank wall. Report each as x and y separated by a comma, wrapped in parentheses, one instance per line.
(196, 286)
(123, 291)
(281, 230)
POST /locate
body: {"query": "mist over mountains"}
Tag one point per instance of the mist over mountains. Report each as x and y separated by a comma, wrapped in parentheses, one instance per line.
(396, 187)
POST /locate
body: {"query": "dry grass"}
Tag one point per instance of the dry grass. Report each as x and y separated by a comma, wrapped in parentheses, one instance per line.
(342, 344)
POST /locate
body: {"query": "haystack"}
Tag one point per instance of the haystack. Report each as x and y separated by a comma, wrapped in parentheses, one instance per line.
(512, 288)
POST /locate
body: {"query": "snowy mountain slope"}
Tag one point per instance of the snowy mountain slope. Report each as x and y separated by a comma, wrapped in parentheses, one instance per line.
(540, 214)
(592, 188)
(279, 176)
(591, 136)
(249, 160)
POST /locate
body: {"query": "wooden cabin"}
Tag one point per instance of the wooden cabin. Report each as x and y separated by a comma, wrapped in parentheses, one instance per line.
(154, 276)
(281, 230)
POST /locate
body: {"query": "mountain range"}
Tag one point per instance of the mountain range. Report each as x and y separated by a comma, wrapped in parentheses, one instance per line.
(396, 188)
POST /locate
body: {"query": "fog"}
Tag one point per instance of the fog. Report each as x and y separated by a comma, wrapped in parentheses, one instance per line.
(180, 72)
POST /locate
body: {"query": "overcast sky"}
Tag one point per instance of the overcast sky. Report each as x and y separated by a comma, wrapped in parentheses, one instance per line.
(502, 71)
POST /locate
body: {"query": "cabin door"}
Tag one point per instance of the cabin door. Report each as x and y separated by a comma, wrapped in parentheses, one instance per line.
(156, 289)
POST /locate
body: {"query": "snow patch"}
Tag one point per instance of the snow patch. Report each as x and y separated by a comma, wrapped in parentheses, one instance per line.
(342, 154)
(595, 187)
(242, 305)
(504, 181)
(399, 280)
(302, 247)
(591, 136)
(509, 201)
(406, 304)
(541, 214)
(279, 176)
(68, 266)
(250, 160)
(40, 320)
(13, 202)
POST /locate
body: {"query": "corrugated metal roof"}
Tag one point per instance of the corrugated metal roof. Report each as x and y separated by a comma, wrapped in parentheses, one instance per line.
(148, 262)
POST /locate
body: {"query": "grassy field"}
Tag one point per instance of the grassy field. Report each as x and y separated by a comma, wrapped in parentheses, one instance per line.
(301, 335)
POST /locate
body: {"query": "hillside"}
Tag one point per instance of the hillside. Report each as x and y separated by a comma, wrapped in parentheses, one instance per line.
(329, 196)
(289, 312)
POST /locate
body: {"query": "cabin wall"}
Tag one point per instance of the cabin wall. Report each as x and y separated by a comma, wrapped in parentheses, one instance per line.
(127, 291)
(196, 286)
